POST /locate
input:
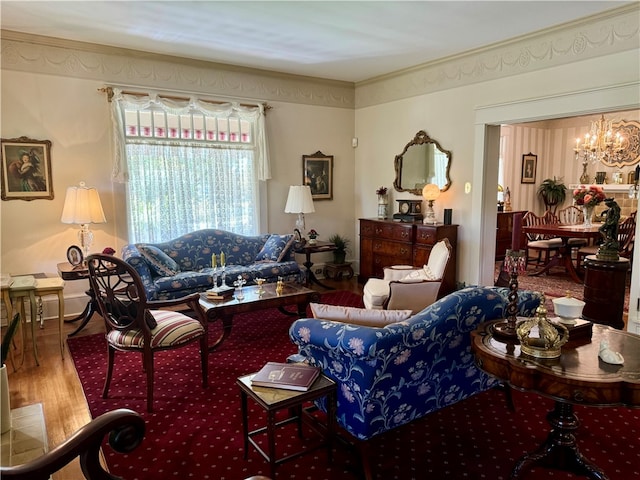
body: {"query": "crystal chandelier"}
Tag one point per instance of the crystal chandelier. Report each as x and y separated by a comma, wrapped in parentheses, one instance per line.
(600, 144)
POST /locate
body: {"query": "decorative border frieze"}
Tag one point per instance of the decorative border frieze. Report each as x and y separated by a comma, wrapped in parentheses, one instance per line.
(611, 32)
(45, 55)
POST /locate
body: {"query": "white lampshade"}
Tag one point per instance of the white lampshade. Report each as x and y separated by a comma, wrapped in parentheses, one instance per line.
(82, 205)
(299, 200)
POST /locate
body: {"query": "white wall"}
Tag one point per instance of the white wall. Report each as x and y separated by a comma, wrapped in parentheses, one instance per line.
(74, 116)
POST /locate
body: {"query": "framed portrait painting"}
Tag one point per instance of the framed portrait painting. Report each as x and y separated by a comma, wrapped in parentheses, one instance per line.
(529, 165)
(26, 169)
(317, 172)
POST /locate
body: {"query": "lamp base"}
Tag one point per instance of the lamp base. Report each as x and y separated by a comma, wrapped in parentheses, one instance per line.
(85, 237)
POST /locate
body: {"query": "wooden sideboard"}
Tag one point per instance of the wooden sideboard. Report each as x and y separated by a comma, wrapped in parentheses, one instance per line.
(504, 232)
(384, 243)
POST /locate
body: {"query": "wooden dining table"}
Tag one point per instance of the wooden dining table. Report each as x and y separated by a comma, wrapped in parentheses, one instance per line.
(564, 232)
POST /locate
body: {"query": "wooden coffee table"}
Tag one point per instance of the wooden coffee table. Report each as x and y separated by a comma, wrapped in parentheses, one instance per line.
(292, 294)
(578, 377)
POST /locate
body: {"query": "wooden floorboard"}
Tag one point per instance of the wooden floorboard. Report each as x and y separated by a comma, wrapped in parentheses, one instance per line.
(55, 382)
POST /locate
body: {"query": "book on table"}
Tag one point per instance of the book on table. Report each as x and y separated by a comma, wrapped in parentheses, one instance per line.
(288, 376)
(219, 293)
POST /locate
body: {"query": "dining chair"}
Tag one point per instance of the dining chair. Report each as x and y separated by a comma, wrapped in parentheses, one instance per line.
(573, 215)
(541, 243)
(135, 324)
(626, 240)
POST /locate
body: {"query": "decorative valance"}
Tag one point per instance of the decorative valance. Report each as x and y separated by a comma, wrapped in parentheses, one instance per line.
(121, 101)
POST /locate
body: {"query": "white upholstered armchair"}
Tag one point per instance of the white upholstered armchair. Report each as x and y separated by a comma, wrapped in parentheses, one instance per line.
(405, 287)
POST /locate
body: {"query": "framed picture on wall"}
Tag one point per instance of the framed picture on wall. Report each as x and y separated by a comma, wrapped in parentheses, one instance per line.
(26, 169)
(529, 165)
(317, 172)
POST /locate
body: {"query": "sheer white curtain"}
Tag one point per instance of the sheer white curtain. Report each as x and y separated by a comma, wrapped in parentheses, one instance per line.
(173, 190)
(175, 186)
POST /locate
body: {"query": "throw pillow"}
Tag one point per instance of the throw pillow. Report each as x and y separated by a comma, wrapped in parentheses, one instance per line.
(358, 316)
(419, 275)
(161, 263)
(275, 248)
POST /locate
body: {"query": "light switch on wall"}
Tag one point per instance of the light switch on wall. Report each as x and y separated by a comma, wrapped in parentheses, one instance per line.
(354, 142)
(467, 187)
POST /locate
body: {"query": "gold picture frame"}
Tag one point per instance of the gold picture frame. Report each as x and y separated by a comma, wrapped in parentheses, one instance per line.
(26, 169)
(529, 166)
(317, 172)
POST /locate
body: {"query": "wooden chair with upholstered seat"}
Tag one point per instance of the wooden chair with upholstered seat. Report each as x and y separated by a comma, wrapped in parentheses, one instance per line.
(134, 324)
(542, 244)
(573, 215)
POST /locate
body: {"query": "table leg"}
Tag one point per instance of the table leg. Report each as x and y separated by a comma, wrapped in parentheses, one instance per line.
(245, 423)
(87, 313)
(310, 276)
(560, 450)
(331, 423)
(271, 439)
(227, 324)
(61, 320)
(562, 258)
(34, 316)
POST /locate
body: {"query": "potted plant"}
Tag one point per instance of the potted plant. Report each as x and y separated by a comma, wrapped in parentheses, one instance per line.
(553, 192)
(342, 245)
(5, 406)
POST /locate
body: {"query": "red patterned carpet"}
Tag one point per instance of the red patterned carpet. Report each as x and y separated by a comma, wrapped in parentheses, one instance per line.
(196, 433)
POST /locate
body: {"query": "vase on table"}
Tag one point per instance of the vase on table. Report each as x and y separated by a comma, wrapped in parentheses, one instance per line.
(587, 211)
(383, 206)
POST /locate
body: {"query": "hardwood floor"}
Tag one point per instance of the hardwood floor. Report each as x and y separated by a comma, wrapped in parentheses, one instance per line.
(55, 382)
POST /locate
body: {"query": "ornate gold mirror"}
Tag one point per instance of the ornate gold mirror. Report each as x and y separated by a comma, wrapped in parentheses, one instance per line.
(422, 161)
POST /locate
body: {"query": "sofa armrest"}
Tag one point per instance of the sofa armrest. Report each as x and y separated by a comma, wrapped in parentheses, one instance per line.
(398, 272)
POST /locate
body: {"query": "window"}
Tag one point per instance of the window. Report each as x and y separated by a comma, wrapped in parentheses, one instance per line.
(188, 165)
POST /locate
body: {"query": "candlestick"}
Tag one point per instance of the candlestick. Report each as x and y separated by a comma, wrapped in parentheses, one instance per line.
(223, 259)
(214, 264)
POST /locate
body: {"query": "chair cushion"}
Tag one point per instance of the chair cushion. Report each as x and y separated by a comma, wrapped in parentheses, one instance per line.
(275, 248)
(358, 316)
(375, 292)
(173, 328)
(161, 263)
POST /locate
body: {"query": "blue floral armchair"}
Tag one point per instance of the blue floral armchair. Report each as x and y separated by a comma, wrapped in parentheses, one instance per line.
(390, 376)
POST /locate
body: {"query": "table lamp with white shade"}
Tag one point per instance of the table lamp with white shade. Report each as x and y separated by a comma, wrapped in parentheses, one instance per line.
(430, 193)
(81, 207)
(299, 201)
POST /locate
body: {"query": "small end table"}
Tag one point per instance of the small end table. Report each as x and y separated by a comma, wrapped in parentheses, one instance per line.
(307, 250)
(336, 270)
(274, 399)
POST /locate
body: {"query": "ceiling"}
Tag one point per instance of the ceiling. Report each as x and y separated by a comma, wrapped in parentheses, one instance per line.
(339, 40)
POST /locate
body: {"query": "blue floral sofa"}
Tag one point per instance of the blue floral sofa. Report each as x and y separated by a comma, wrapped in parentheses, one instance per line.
(183, 265)
(393, 375)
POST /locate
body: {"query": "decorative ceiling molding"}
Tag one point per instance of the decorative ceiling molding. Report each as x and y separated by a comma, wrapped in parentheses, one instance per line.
(614, 31)
(54, 56)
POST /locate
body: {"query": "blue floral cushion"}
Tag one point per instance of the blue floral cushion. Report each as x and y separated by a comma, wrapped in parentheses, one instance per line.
(159, 261)
(275, 248)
